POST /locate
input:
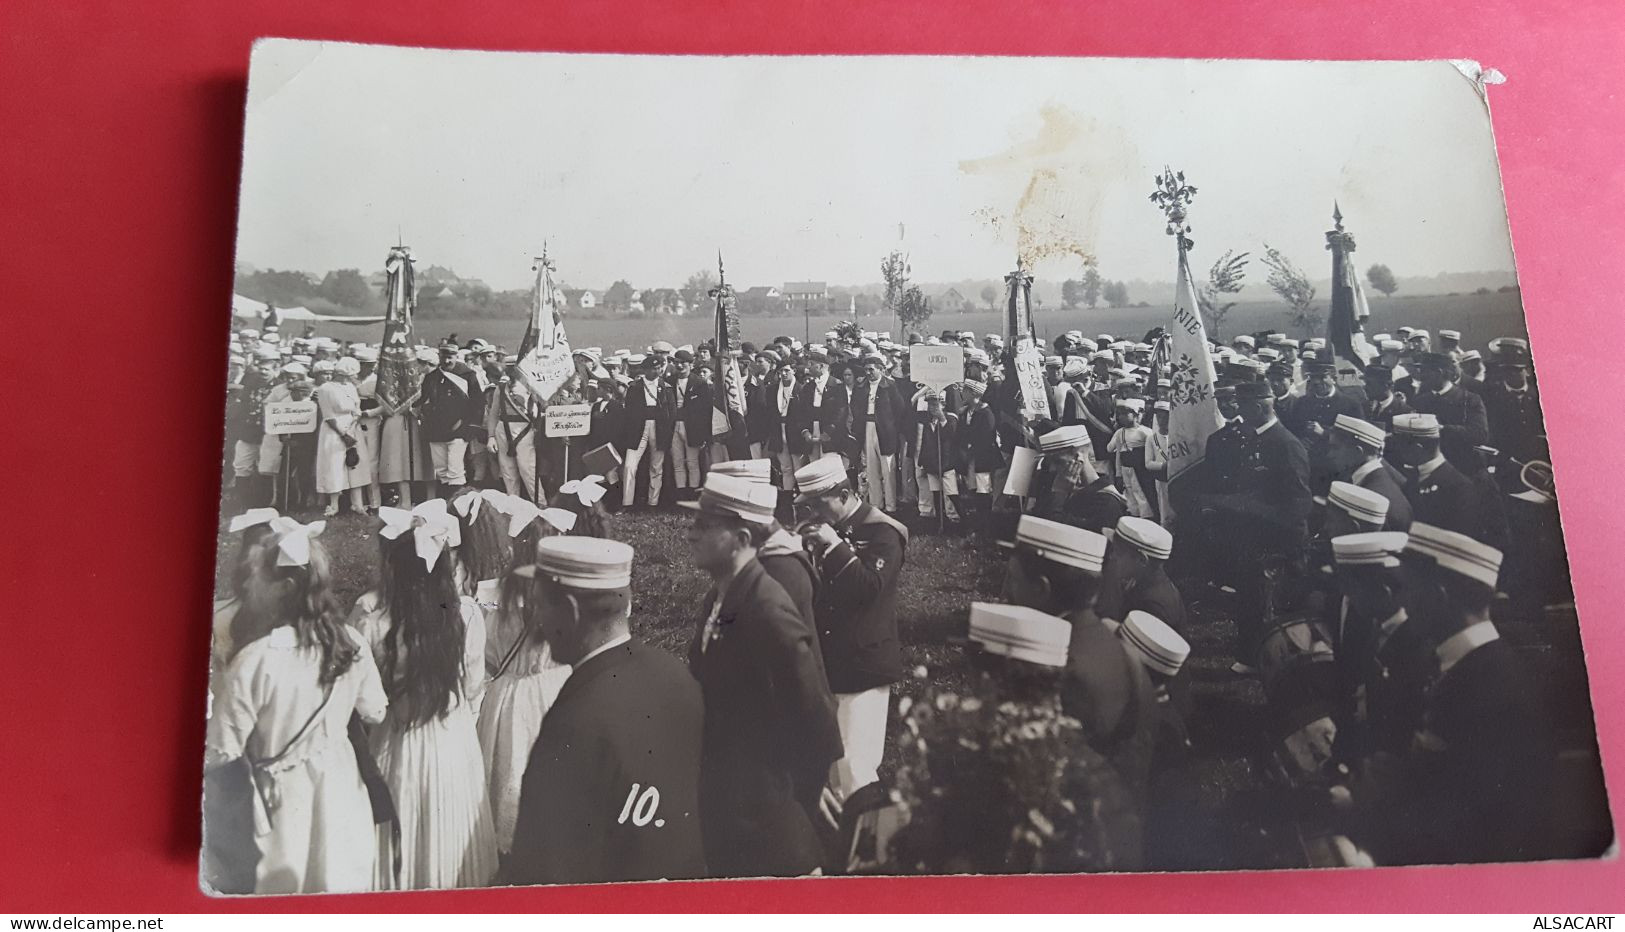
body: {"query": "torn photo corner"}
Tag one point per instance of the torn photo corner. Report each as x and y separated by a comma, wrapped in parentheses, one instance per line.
(685, 467)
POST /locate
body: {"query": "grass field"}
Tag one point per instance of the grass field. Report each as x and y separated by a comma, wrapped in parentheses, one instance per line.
(1479, 318)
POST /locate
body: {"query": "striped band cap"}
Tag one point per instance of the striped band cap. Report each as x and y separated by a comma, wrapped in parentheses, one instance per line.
(1020, 633)
(1456, 552)
(1360, 504)
(1153, 643)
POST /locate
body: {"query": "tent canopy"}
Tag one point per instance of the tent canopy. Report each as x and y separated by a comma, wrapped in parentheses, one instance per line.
(246, 307)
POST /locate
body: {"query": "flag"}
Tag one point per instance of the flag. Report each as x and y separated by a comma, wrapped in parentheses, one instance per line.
(1346, 325)
(728, 396)
(545, 362)
(1193, 411)
(396, 383)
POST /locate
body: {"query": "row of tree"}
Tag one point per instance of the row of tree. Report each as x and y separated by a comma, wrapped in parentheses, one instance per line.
(1091, 289)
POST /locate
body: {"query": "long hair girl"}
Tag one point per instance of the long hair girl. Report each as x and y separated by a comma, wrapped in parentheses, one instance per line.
(421, 656)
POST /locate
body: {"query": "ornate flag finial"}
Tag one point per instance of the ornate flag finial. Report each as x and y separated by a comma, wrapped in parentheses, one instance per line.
(1337, 237)
(1173, 196)
(542, 261)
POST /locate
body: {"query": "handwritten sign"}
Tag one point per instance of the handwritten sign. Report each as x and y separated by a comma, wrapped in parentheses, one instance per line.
(1035, 396)
(569, 420)
(936, 367)
(291, 417)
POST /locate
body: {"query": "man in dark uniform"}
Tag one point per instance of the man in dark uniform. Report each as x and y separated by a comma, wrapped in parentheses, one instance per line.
(1512, 408)
(1312, 415)
(770, 729)
(692, 429)
(1439, 494)
(612, 790)
(820, 418)
(1382, 403)
(1383, 663)
(1267, 509)
(1356, 447)
(1463, 425)
(860, 552)
(880, 419)
(1478, 783)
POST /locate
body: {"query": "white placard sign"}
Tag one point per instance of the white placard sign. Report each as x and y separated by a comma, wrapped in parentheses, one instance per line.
(1030, 376)
(936, 366)
(291, 417)
(568, 420)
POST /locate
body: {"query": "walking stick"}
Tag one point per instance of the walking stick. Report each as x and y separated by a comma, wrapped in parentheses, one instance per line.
(941, 492)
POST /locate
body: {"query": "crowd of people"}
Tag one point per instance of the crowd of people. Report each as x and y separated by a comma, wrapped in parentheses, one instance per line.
(488, 714)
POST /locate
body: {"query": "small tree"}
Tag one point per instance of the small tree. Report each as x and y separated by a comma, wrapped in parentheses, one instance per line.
(702, 282)
(1091, 284)
(894, 270)
(990, 297)
(1225, 278)
(1382, 280)
(1071, 292)
(1292, 286)
(619, 295)
(914, 309)
(1115, 293)
(347, 287)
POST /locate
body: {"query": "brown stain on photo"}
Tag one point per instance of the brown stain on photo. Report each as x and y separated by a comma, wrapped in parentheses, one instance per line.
(1067, 166)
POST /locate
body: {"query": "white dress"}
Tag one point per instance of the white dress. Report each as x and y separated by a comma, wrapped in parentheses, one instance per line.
(1156, 457)
(313, 820)
(1126, 440)
(338, 401)
(516, 699)
(436, 773)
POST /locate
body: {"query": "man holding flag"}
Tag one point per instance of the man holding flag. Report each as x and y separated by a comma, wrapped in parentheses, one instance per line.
(728, 391)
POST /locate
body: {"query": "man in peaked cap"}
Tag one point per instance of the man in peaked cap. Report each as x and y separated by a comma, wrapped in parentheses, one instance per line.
(820, 420)
(1264, 513)
(1357, 447)
(1135, 576)
(628, 722)
(691, 430)
(1478, 783)
(770, 726)
(1313, 413)
(1463, 424)
(1382, 400)
(1056, 568)
(881, 417)
(452, 412)
(1512, 411)
(649, 421)
(860, 553)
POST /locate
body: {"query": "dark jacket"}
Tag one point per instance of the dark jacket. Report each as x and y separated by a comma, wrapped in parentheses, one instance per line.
(1516, 428)
(856, 606)
(637, 411)
(601, 744)
(775, 426)
(981, 441)
(1381, 413)
(1272, 488)
(1449, 500)
(1479, 785)
(1110, 694)
(1388, 482)
(939, 445)
(1157, 596)
(891, 416)
(770, 731)
(759, 415)
(1463, 425)
(832, 415)
(695, 409)
(452, 405)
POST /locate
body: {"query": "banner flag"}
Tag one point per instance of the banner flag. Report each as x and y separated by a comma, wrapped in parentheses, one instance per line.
(544, 353)
(728, 395)
(396, 380)
(1193, 413)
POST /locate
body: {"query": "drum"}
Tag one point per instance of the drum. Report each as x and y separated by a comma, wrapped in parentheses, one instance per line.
(1300, 681)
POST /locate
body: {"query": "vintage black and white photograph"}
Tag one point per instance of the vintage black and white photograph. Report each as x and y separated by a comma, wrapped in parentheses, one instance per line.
(671, 468)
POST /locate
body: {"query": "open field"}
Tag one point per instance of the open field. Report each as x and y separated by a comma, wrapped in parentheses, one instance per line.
(1479, 318)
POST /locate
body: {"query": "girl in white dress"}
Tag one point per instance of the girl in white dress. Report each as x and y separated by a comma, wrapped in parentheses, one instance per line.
(525, 679)
(284, 704)
(340, 409)
(1156, 461)
(430, 645)
(1127, 449)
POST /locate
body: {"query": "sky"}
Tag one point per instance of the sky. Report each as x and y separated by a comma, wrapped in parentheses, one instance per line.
(814, 168)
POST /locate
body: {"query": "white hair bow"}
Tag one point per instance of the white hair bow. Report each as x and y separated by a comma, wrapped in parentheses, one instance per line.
(293, 540)
(433, 528)
(468, 503)
(253, 517)
(588, 490)
(520, 514)
(560, 518)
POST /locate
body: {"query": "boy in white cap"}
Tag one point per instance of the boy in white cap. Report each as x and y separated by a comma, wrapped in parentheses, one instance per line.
(860, 553)
(1070, 490)
(1056, 568)
(1357, 446)
(1478, 783)
(1383, 661)
(1136, 577)
(770, 726)
(625, 733)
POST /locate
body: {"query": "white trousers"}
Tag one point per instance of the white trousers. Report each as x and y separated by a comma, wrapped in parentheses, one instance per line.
(448, 461)
(634, 457)
(880, 471)
(861, 718)
(245, 459)
(685, 460)
(519, 470)
(947, 484)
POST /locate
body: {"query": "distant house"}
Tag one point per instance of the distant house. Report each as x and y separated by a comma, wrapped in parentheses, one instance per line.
(579, 299)
(951, 300)
(806, 293)
(436, 274)
(762, 293)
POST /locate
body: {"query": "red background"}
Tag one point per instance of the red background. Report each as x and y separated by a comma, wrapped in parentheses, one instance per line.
(120, 133)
